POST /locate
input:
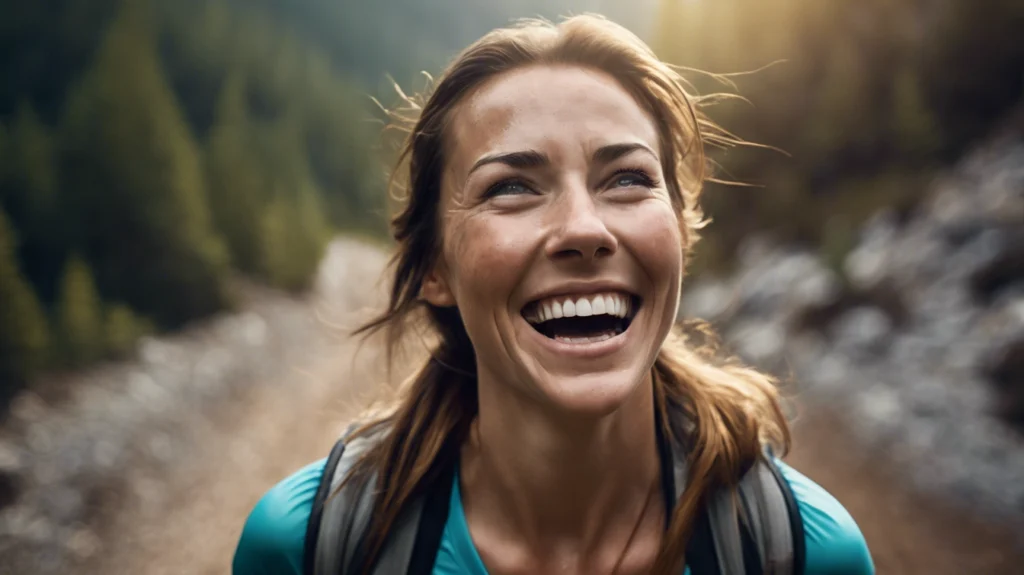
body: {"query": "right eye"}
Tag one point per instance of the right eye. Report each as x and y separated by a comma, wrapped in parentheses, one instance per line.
(507, 188)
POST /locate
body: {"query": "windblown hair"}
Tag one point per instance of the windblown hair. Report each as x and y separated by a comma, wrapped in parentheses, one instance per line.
(723, 413)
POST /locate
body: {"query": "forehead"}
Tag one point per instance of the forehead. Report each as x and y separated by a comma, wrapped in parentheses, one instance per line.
(548, 108)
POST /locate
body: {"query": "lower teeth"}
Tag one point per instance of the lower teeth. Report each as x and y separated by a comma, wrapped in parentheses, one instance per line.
(587, 339)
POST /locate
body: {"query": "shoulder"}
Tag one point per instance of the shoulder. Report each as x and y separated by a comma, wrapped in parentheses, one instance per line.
(274, 534)
(834, 542)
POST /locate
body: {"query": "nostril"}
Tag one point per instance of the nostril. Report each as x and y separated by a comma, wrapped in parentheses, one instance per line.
(573, 253)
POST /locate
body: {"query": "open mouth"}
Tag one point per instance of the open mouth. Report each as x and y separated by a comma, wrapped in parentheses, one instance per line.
(584, 319)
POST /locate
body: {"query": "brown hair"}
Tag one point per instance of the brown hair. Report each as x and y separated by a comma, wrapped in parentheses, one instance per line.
(720, 411)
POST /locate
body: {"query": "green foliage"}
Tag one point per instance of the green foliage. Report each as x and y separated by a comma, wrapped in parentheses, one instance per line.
(860, 90)
(79, 321)
(133, 175)
(295, 236)
(296, 231)
(28, 191)
(122, 328)
(237, 143)
(234, 176)
(245, 60)
(31, 161)
(264, 193)
(24, 337)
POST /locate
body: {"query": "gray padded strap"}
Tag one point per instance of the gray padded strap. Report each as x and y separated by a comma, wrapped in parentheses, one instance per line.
(679, 470)
(725, 530)
(769, 522)
(346, 514)
(765, 513)
(346, 517)
(397, 552)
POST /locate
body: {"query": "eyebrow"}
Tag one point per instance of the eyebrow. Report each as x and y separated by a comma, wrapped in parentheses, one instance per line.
(525, 159)
(534, 159)
(612, 152)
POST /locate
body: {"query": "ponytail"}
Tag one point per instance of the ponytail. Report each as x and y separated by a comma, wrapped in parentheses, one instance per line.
(439, 403)
(723, 414)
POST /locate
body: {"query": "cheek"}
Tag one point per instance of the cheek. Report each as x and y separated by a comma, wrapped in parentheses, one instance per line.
(487, 256)
(653, 234)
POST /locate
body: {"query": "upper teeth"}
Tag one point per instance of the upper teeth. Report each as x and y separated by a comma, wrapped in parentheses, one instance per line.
(615, 304)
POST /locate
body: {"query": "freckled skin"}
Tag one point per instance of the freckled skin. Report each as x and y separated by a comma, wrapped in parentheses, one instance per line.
(574, 219)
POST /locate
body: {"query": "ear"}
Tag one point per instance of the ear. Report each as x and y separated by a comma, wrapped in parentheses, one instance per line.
(435, 288)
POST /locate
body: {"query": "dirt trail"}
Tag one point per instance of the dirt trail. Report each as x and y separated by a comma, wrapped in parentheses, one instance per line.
(275, 429)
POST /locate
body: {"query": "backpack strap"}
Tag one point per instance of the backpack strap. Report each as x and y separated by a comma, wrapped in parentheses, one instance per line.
(315, 515)
(344, 515)
(436, 505)
(757, 527)
(340, 518)
(753, 529)
(796, 521)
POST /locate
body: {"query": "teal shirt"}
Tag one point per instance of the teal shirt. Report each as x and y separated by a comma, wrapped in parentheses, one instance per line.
(273, 537)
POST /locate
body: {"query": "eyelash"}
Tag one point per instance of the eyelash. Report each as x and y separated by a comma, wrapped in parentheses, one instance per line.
(644, 178)
(497, 187)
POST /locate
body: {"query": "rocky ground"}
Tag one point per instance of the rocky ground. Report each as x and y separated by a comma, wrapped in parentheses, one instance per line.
(151, 466)
(922, 347)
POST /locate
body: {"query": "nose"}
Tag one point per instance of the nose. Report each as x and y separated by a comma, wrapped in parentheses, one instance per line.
(579, 231)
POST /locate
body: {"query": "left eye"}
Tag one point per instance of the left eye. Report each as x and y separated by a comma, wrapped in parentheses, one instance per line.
(629, 179)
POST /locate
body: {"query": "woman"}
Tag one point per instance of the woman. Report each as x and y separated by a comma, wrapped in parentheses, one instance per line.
(553, 182)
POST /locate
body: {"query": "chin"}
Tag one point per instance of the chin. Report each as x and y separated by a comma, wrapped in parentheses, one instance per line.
(594, 394)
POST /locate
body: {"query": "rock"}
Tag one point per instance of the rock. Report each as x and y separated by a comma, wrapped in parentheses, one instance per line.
(709, 300)
(759, 342)
(863, 330)
(11, 469)
(1002, 268)
(1006, 371)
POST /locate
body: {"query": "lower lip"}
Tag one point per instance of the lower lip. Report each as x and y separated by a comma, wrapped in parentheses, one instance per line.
(590, 350)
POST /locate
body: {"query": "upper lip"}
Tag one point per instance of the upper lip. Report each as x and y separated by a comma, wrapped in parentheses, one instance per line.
(580, 288)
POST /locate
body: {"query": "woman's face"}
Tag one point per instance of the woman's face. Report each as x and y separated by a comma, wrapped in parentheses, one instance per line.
(561, 247)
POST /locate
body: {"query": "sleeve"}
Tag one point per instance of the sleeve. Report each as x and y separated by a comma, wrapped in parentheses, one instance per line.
(834, 542)
(275, 532)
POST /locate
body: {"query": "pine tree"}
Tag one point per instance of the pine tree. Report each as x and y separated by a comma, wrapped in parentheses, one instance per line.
(133, 175)
(235, 182)
(122, 328)
(294, 229)
(79, 321)
(30, 197)
(24, 337)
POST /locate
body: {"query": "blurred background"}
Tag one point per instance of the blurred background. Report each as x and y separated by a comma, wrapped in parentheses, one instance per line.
(193, 209)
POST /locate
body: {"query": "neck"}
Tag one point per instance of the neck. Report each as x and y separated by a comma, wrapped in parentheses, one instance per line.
(558, 479)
